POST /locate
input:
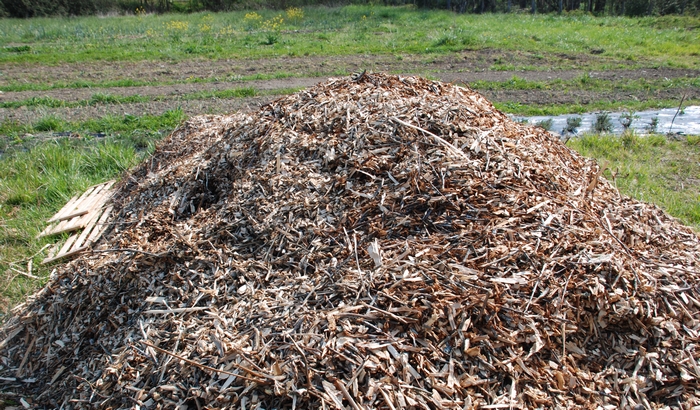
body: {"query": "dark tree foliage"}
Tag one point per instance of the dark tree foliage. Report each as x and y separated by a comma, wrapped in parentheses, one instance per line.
(36, 8)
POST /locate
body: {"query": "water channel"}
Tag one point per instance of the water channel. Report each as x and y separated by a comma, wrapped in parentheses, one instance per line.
(687, 121)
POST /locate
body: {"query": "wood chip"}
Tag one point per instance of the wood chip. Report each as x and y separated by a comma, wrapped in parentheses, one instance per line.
(384, 242)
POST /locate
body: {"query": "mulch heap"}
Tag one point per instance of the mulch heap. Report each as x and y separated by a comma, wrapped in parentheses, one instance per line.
(377, 242)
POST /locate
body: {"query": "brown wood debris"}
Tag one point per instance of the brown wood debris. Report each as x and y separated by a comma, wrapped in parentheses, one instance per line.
(389, 242)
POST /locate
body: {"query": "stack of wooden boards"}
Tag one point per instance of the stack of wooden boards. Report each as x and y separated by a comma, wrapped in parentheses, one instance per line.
(85, 215)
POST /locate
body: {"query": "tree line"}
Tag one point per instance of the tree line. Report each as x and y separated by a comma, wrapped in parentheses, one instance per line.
(38, 8)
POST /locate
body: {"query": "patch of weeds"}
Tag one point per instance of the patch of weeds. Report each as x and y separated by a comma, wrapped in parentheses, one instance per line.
(518, 83)
(294, 14)
(272, 28)
(511, 106)
(50, 123)
(629, 139)
(585, 79)
(603, 123)
(237, 93)
(545, 124)
(502, 67)
(34, 102)
(653, 125)
(446, 40)
(270, 39)
(626, 119)
(572, 125)
(252, 20)
(17, 49)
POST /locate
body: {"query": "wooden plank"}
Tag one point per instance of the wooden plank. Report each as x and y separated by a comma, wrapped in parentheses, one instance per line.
(66, 246)
(65, 255)
(69, 225)
(67, 209)
(77, 244)
(63, 210)
(54, 229)
(84, 211)
(70, 207)
(80, 222)
(88, 228)
(88, 203)
(100, 226)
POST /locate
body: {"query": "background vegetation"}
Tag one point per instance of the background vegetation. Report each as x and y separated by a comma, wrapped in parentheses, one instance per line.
(671, 41)
(37, 8)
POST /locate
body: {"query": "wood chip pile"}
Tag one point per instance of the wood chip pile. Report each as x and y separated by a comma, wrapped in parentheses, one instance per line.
(377, 242)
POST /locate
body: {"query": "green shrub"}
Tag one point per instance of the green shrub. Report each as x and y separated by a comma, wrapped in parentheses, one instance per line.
(546, 124)
(38, 8)
(572, 124)
(602, 123)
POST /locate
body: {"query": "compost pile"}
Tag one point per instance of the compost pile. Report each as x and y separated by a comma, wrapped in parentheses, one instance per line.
(375, 242)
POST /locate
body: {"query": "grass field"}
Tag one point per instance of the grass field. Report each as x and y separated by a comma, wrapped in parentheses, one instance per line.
(84, 99)
(346, 31)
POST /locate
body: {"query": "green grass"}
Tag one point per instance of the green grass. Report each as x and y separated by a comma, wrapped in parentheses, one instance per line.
(586, 83)
(14, 134)
(34, 184)
(107, 99)
(349, 30)
(125, 83)
(651, 169)
(104, 99)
